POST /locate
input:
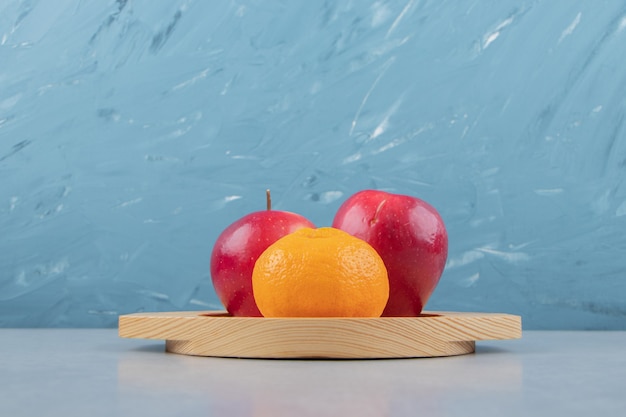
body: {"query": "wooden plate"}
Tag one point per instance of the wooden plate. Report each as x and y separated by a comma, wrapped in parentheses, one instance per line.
(215, 333)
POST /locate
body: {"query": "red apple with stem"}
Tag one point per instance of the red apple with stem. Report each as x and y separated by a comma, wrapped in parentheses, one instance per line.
(237, 249)
(410, 237)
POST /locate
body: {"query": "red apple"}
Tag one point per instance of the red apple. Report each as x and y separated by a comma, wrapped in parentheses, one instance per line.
(237, 249)
(410, 237)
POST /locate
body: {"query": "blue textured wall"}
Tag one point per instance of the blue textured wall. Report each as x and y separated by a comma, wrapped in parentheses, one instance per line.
(132, 132)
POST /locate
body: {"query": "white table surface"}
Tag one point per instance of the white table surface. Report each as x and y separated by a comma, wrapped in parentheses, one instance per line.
(92, 372)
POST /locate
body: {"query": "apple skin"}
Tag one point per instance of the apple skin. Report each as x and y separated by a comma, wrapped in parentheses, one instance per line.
(410, 237)
(236, 250)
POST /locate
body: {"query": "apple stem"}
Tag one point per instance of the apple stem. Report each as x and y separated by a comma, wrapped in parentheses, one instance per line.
(268, 199)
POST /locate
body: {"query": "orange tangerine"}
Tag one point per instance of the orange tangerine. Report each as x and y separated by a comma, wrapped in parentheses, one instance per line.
(321, 272)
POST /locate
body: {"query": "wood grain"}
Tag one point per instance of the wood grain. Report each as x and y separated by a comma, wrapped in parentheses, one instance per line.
(214, 333)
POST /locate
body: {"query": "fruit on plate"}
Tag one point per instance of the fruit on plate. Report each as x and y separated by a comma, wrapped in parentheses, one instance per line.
(237, 249)
(410, 237)
(321, 272)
